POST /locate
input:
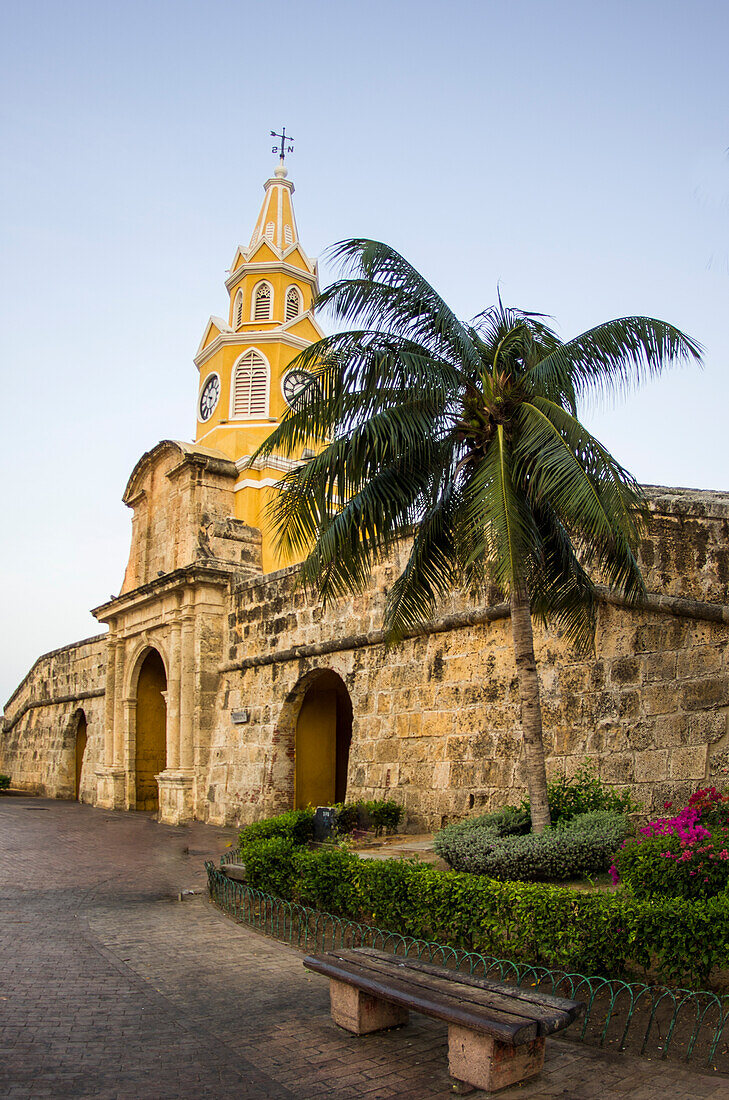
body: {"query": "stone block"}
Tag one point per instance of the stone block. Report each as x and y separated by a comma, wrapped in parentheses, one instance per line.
(659, 666)
(659, 699)
(624, 670)
(488, 1064)
(651, 766)
(442, 775)
(628, 704)
(711, 691)
(361, 1013)
(700, 660)
(689, 762)
(617, 768)
(437, 723)
(708, 727)
(670, 730)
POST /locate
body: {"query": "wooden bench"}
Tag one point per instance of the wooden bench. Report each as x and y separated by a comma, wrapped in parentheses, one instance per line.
(496, 1032)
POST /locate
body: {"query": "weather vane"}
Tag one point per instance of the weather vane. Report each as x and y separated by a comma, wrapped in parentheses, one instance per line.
(285, 147)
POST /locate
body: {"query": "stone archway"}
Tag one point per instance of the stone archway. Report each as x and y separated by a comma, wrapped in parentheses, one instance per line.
(151, 730)
(79, 750)
(322, 741)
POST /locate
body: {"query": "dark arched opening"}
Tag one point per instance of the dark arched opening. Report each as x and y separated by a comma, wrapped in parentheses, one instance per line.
(323, 738)
(151, 734)
(80, 749)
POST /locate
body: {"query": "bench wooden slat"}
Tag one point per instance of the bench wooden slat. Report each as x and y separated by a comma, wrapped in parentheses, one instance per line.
(504, 1026)
(394, 969)
(552, 1013)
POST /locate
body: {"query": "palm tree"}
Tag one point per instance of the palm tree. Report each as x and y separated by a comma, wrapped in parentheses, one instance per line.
(464, 440)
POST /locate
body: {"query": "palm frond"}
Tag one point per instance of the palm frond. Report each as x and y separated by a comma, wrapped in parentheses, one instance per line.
(614, 357)
(562, 593)
(559, 462)
(502, 533)
(353, 375)
(430, 573)
(386, 292)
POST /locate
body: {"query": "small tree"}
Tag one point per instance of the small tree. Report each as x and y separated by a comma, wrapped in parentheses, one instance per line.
(464, 438)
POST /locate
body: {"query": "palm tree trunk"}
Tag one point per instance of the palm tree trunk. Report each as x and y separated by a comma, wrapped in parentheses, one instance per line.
(531, 710)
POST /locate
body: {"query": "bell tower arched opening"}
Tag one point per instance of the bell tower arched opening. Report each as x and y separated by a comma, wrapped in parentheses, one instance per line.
(323, 738)
(151, 732)
(80, 749)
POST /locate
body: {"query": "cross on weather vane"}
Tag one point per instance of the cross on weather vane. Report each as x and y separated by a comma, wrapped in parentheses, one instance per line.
(285, 147)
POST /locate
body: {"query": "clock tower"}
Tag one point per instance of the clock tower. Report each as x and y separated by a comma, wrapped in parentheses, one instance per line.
(244, 362)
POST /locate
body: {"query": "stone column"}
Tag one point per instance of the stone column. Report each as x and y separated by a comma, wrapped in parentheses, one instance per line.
(173, 698)
(129, 759)
(119, 761)
(109, 699)
(187, 690)
(175, 782)
(110, 775)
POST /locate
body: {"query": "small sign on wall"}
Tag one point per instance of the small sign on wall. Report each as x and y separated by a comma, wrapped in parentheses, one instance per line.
(239, 717)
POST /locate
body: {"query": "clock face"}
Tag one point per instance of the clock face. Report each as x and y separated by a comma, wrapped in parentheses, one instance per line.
(209, 397)
(293, 384)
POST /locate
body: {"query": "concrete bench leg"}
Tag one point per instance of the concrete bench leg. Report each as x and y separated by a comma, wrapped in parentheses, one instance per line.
(361, 1013)
(488, 1064)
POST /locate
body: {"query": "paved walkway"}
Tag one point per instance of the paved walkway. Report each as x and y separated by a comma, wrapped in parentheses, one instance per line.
(112, 988)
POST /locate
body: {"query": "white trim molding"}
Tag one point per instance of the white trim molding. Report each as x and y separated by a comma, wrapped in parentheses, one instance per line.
(272, 462)
(269, 336)
(263, 268)
(250, 483)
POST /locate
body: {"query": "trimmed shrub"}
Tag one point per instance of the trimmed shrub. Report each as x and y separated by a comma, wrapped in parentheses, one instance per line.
(583, 793)
(346, 818)
(270, 865)
(4, 782)
(584, 845)
(472, 835)
(297, 826)
(384, 815)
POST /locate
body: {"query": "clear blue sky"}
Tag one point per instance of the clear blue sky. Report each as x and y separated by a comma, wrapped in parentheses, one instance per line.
(573, 153)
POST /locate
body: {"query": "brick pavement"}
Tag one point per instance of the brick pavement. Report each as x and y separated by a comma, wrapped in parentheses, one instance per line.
(112, 988)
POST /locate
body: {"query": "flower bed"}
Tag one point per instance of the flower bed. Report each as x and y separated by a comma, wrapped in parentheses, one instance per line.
(685, 855)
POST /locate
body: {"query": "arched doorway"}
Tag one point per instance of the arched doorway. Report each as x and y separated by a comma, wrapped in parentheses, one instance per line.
(151, 746)
(323, 736)
(80, 750)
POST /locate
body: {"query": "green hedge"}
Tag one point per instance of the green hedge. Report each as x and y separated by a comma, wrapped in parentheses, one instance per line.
(544, 925)
(584, 844)
(296, 826)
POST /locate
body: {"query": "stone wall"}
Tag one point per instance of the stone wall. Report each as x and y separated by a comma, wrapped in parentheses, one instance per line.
(38, 736)
(436, 719)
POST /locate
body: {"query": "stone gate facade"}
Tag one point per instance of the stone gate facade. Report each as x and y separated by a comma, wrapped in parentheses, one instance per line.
(224, 674)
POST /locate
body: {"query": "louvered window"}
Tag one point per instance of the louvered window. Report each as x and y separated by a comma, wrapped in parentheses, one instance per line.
(288, 235)
(250, 388)
(293, 303)
(262, 303)
(238, 310)
(270, 227)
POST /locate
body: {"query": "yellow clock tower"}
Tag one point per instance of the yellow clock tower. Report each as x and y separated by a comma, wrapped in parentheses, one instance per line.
(244, 362)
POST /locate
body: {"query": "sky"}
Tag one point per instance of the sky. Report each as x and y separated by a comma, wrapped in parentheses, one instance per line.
(571, 155)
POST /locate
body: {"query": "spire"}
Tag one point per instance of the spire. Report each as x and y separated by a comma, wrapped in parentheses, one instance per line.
(276, 222)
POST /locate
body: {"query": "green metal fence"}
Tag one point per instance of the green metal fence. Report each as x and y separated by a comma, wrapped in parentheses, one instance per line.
(654, 1021)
